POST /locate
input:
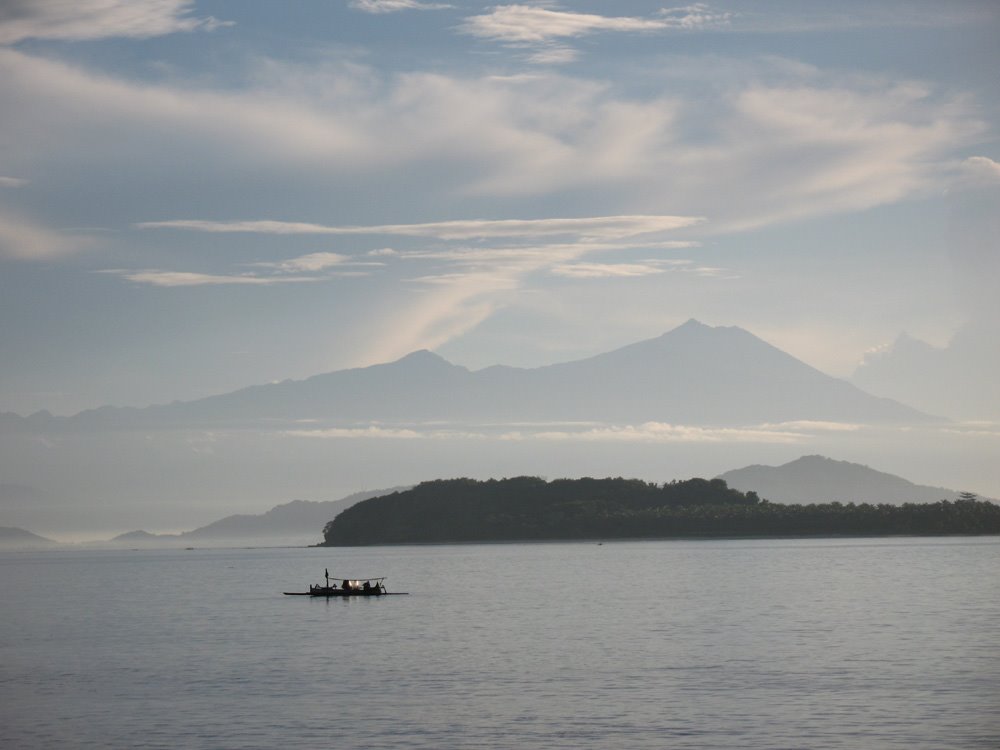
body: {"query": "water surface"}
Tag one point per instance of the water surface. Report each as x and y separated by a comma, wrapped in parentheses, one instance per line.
(681, 644)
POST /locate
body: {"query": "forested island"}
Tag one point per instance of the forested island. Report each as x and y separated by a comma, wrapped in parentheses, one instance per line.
(530, 508)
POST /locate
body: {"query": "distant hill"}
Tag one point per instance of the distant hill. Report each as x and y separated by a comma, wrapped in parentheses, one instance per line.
(141, 537)
(298, 520)
(11, 537)
(694, 374)
(299, 517)
(816, 479)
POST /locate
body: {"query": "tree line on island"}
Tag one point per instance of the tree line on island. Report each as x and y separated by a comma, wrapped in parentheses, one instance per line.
(531, 508)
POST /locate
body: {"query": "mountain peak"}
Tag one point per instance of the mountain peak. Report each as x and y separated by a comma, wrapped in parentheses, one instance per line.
(695, 328)
(424, 358)
(693, 324)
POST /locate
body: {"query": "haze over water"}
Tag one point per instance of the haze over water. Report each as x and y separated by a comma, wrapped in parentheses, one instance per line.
(685, 644)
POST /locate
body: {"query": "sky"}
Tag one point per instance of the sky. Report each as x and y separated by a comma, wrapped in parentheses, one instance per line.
(197, 196)
(200, 196)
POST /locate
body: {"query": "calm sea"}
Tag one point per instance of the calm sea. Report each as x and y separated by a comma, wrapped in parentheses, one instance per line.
(675, 644)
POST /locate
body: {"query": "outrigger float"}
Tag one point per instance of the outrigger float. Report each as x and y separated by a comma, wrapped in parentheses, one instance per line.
(348, 587)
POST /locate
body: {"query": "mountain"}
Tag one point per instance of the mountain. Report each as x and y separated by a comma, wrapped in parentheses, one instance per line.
(11, 537)
(816, 479)
(297, 518)
(694, 374)
(299, 521)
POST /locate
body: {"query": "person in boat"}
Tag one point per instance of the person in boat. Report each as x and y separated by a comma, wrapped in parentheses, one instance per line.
(346, 585)
(367, 587)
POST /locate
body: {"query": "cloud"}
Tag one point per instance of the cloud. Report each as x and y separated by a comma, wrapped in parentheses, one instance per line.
(22, 239)
(766, 152)
(648, 432)
(819, 149)
(624, 270)
(309, 263)
(981, 171)
(97, 19)
(184, 278)
(539, 28)
(371, 431)
(12, 182)
(534, 24)
(813, 426)
(392, 6)
(595, 226)
(662, 432)
(801, 18)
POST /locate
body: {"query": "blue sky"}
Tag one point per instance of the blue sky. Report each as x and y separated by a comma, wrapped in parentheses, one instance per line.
(199, 196)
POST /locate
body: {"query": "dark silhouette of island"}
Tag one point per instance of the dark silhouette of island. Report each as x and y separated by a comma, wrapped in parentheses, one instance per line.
(817, 479)
(695, 374)
(12, 537)
(530, 508)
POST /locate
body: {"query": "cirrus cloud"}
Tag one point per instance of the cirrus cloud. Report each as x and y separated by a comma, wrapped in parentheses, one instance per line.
(159, 278)
(542, 29)
(393, 6)
(462, 229)
(98, 19)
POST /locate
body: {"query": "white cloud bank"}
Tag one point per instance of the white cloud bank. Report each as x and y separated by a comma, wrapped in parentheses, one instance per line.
(97, 19)
(647, 432)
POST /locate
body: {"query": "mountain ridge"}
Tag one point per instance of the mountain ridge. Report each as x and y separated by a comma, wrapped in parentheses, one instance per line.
(692, 374)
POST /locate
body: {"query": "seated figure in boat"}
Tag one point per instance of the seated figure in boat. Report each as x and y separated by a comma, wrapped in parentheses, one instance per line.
(346, 586)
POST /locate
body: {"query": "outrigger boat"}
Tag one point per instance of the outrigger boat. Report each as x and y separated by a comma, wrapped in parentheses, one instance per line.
(348, 587)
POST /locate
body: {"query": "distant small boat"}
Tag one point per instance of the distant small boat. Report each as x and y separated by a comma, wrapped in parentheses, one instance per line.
(348, 587)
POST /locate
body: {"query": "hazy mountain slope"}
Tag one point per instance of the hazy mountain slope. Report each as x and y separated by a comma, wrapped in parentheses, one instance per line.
(816, 479)
(298, 517)
(698, 374)
(14, 537)
(694, 374)
(295, 519)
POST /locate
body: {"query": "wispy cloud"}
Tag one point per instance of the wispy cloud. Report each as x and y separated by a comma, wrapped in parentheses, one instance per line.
(662, 432)
(541, 29)
(535, 24)
(981, 170)
(802, 18)
(625, 270)
(155, 277)
(595, 226)
(23, 239)
(12, 182)
(98, 19)
(312, 262)
(647, 432)
(372, 431)
(767, 152)
(392, 6)
(814, 426)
